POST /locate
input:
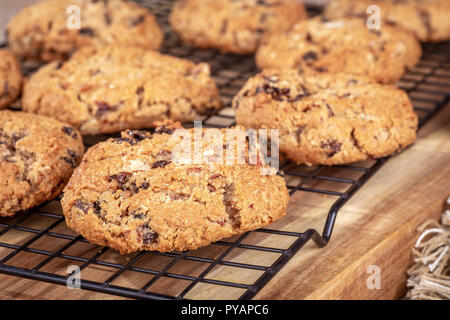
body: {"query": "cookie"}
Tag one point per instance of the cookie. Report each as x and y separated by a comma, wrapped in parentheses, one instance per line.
(48, 30)
(37, 157)
(428, 19)
(344, 45)
(112, 88)
(10, 78)
(130, 194)
(327, 118)
(233, 26)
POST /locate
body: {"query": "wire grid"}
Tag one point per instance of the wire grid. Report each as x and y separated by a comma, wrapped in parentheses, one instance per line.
(37, 244)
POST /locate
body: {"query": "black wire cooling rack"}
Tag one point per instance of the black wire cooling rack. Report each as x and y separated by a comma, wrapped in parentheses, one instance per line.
(37, 244)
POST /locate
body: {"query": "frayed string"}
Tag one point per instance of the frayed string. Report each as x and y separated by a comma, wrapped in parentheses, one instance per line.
(429, 277)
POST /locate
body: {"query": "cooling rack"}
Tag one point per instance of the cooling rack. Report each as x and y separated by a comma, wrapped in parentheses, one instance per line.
(37, 244)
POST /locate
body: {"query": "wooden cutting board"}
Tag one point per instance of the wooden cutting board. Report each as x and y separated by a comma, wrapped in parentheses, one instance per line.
(377, 227)
(374, 231)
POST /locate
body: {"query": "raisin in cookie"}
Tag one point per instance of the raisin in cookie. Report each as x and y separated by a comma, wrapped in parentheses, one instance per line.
(10, 78)
(48, 30)
(428, 19)
(37, 157)
(344, 45)
(112, 88)
(233, 26)
(327, 118)
(130, 194)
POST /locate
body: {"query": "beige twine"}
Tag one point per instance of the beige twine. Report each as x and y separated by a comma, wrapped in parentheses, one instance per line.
(429, 277)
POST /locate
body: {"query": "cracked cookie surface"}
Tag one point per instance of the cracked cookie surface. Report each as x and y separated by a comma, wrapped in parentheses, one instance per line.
(343, 45)
(10, 78)
(37, 157)
(107, 89)
(130, 195)
(41, 32)
(233, 26)
(327, 118)
(428, 19)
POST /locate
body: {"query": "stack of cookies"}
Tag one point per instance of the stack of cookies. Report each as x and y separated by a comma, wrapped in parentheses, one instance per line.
(326, 85)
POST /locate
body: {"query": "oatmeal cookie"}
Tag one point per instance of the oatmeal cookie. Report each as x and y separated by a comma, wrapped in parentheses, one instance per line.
(107, 89)
(130, 194)
(41, 31)
(428, 19)
(37, 157)
(327, 118)
(233, 26)
(10, 78)
(344, 45)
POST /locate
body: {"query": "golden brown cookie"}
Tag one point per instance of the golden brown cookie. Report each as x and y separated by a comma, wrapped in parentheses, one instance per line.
(327, 118)
(233, 26)
(112, 88)
(37, 157)
(130, 194)
(10, 78)
(428, 19)
(47, 30)
(343, 45)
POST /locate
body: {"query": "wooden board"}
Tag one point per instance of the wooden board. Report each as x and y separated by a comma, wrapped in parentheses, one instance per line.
(377, 227)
